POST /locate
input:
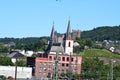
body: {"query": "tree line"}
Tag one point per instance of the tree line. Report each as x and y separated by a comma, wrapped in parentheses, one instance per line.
(35, 44)
(102, 33)
(27, 40)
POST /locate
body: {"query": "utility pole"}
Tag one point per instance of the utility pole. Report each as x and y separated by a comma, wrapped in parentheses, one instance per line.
(16, 69)
(56, 66)
(70, 68)
(76, 66)
(111, 68)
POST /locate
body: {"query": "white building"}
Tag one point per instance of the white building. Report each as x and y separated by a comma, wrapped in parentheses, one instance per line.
(22, 72)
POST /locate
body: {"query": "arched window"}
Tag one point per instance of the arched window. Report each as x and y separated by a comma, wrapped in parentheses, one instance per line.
(69, 44)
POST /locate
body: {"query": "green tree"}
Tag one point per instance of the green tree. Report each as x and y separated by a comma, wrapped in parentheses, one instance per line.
(21, 61)
(94, 68)
(40, 45)
(3, 49)
(83, 42)
(5, 61)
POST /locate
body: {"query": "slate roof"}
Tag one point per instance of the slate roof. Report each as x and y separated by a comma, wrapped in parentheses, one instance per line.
(15, 54)
(57, 48)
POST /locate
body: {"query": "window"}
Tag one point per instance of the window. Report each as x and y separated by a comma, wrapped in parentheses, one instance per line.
(63, 58)
(67, 65)
(67, 58)
(69, 44)
(71, 59)
(45, 64)
(63, 64)
(50, 58)
(54, 58)
(58, 64)
(45, 69)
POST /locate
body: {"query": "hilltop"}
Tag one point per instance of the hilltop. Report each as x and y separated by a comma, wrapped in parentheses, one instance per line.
(96, 34)
(102, 33)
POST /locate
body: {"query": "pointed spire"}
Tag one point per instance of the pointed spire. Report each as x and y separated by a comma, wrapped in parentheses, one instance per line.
(52, 32)
(68, 33)
(51, 41)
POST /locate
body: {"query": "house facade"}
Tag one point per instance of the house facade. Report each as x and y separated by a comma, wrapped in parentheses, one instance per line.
(45, 67)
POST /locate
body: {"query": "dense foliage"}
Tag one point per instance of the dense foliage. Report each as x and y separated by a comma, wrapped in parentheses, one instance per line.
(5, 61)
(96, 69)
(34, 44)
(40, 45)
(29, 40)
(83, 43)
(3, 49)
(103, 33)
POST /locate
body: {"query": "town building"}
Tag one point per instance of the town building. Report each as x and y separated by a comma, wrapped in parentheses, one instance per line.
(22, 72)
(45, 67)
(58, 57)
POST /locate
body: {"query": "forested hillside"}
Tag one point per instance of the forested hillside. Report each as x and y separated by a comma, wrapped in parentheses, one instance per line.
(97, 34)
(29, 40)
(103, 33)
(31, 43)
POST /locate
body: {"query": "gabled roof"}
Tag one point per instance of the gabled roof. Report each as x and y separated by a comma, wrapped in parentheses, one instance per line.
(15, 54)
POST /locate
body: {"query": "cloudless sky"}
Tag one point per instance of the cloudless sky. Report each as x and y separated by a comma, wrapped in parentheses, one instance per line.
(34, 18)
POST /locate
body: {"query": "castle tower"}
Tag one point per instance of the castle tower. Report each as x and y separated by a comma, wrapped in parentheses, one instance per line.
(68, 41)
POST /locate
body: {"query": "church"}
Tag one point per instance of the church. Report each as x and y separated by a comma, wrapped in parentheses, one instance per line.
(63, 46)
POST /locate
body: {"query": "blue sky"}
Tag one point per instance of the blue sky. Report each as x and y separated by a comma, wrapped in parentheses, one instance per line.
(34, 18)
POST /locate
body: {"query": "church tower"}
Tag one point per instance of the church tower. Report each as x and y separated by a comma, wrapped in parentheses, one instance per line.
(68, 41)
(51, 41)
